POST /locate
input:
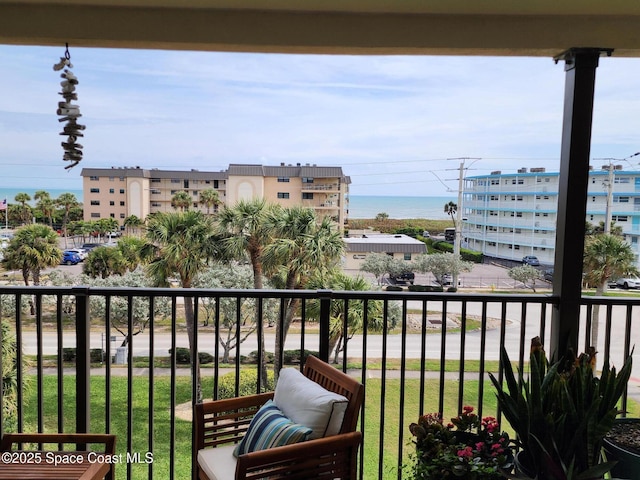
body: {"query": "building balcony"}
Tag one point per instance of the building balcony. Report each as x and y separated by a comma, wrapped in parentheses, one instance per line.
(147, 396)
(321, 187)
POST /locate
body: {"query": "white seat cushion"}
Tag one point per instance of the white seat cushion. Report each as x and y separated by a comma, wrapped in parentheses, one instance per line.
(309, 404)
(218, 463)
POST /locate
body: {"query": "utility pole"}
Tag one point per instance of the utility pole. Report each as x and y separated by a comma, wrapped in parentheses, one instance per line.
(458, 222)
(611, 168)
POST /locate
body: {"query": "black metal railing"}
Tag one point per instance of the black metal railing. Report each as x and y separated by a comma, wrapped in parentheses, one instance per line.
(415, 353)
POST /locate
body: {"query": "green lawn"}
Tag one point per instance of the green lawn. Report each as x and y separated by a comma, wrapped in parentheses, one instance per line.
(381, 417)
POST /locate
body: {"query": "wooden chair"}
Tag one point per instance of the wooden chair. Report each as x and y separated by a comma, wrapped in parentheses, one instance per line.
(224, 422)
(58, 439)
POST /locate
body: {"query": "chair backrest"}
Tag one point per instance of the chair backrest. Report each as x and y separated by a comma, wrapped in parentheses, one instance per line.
(336, 381)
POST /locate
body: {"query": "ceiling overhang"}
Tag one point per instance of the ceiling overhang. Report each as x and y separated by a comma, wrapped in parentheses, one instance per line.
(440, 27)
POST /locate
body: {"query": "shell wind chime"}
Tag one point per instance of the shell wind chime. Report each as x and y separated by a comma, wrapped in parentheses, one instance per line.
(69, 112)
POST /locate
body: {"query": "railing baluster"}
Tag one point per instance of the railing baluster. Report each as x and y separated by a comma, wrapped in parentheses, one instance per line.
(83, 361)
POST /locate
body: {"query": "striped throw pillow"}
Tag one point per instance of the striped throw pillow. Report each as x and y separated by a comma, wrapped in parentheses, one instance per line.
(270, 428)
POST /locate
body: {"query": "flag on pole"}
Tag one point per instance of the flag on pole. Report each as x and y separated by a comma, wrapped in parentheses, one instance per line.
(3, 205)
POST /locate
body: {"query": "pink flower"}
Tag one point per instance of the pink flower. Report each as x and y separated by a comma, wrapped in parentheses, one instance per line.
(467, 452)
(467, 409)
(479, 445)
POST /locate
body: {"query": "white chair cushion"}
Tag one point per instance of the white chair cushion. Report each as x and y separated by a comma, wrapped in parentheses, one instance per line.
(307, 403)
(218, 463)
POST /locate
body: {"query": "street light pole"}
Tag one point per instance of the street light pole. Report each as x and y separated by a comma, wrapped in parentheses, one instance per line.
(609, 184)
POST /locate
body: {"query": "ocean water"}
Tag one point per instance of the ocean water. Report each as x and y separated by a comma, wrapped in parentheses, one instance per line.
(368, 206)
(10, 193)
(360, 206)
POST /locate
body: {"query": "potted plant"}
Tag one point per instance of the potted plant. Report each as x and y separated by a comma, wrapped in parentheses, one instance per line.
(622, 444)
(561, 413)
(468, 448)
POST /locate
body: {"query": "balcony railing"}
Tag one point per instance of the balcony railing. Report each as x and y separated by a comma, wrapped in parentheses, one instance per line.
(414, 352)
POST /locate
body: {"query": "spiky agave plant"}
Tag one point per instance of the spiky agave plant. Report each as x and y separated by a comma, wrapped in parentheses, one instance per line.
(561, 412)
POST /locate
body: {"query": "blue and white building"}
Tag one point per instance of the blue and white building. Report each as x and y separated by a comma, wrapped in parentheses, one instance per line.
(510, 215)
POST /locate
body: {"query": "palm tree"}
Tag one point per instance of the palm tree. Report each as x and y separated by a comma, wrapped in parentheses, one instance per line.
(133, 223)
(131, 250)
(301, 248)
(32, 248)
(605, 256)
(25, 210)
(67, 201)
(181, 244)
(181, 200)
(209, 198)
(248, 231)
(451, 208)
(46, 205)
(102, 262)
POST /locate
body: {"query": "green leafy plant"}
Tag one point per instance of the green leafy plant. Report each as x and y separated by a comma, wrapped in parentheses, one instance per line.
(561, 412)
(468, 448)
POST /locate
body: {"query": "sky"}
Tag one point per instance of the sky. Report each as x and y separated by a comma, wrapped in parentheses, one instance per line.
(397, 125)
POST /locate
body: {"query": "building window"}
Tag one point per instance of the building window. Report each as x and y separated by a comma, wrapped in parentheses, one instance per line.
(122, 204)
(620, 218)
(195, 193)
(283, 194)
(111, 203)
(173, 192)
(622, 180)
(95, 215)
(307, 179)
(112, 215)
(95, 190)
(494, 197)
(620, 199)
(95, 202)
(93, 178)
(407, 256)
(215, 184)
(186, 184)
(155, 191)
(122, 215)
(495, 182)
(516, 247)
(156, 204)
(122, 190)
(155, 180)
(121, 179)
(307, 196)
(111, 190)
(283, 179)
(175, 180)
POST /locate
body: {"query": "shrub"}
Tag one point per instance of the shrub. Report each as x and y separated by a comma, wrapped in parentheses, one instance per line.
(409, 231)
(69, 354)
(465, 253)
(97, 355)
(419, 288)
(393, 288)
(452, 289)
(247, 385)
(183, 356)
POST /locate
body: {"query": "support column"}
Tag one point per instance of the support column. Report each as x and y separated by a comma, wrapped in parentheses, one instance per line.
(580, 68)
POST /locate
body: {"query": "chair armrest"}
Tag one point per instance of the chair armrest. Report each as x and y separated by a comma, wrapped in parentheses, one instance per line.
(225, 421)
(333, 457)
(108, 440)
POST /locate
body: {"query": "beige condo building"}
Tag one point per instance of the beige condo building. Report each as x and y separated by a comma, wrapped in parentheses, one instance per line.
(119, 192)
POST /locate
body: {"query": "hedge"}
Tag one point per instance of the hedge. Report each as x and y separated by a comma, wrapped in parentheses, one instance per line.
(465, 253)
(248, 384)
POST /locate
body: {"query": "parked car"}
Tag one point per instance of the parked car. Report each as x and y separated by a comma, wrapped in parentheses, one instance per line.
(82, 253)
(70, 258)
(114, 234)
(628, 282)
(403, 278)
(548, 275)
(90, 246)
(531, 260)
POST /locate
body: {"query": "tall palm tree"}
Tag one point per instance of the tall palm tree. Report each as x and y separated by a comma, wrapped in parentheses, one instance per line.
(605, 256)
(67, 201)
(181, 244)
(131, 250)
(209, 198)
(46, 205)
(451, 209)
(132, 223)
(248, 230)
(181, 200)
(32, 248)
(25, 210)
(302, 247)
